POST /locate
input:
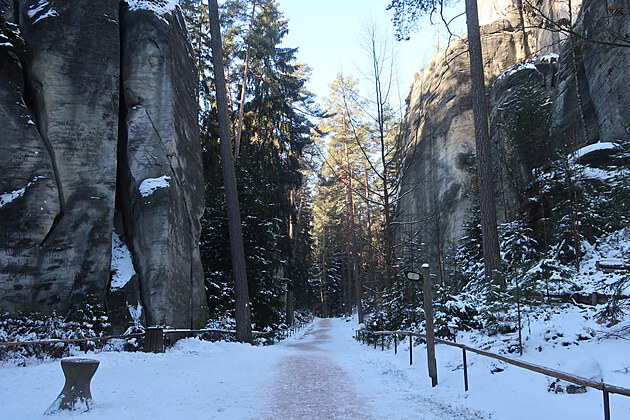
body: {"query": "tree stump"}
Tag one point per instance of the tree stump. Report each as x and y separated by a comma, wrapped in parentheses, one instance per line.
(76, 394)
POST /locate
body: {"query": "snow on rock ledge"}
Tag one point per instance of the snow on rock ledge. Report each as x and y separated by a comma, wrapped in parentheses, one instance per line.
(591, 150)
(6, 198)
(530, 63)
(41, 10)
(149, 185)
(159, 7)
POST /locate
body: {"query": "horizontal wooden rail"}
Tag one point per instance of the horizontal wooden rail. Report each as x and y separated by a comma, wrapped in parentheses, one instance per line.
(154, 336)
(209, 330)
(111, 337)
(578, 380)
(68, 340)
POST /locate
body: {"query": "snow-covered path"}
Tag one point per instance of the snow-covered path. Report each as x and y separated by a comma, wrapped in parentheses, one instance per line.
(321, 373)
(327, 375)
(310, 384)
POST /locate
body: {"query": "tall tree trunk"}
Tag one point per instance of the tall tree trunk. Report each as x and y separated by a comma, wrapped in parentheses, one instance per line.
(228, 88)
(241, 293)
(490, 240)
(438, 245)
(387, 210)
(370, 252)
(291, 262)
(349, 265)
(322, 283)
(241, 108)
(358, 286)
(353, 264)
(525, 39)
(345, 286)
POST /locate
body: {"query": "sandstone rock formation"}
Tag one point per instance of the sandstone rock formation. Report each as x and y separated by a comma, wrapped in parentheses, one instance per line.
(584, 80)
(602, 110)
(440, 142)
(158, 82)
(97, 105)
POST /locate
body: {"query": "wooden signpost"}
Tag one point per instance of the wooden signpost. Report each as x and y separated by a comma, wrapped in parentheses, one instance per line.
(428, 314)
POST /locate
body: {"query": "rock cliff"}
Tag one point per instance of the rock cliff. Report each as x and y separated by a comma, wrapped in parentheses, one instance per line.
(581, 80)
(101, 141)
(439, 159)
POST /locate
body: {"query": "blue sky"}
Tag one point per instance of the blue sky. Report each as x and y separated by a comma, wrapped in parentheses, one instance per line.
(328, 34)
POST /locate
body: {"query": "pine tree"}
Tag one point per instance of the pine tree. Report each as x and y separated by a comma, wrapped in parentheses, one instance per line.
(241, 294)
(269, 170)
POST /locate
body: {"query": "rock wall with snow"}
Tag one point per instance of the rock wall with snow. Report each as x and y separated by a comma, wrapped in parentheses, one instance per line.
(440, 142)
(98, 100)
(585, 82)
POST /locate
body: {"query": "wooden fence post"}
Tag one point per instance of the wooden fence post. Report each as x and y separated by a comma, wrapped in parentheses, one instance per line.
(395, 343)
(382, 342)
(465, 370)
(606, 403)
(410, 349)
(154, 340)
(428, 311)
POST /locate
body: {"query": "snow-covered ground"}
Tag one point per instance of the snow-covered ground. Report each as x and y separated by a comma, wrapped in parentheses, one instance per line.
(324, 373)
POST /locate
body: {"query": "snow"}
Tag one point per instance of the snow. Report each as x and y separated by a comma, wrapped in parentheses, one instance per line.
(121, 264)
(325, 373)
(610, 248)
(136, 313)
(41, 11)
(159, 7)
(49, 13)
(8, 197)
(549, 58)
(575, 156)
(529, 63)
(150, 185)
(595, 173)
(583, 365)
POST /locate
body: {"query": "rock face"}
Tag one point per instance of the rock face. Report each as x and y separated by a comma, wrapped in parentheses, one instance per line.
(440, 141)
(162, 142)
(79, 152)
(75, 112)
(529, 84)
(32, 185)
(601, 112)
(584, 84)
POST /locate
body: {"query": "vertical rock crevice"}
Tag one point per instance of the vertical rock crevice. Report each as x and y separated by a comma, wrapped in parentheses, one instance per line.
(188, 214)
(34, 101)
(160, 222)
(122, 302)
(28, 193)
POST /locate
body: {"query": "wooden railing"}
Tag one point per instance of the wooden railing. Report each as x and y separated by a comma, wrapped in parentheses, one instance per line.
(154, 338)
(578, 380)
(67, 340)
